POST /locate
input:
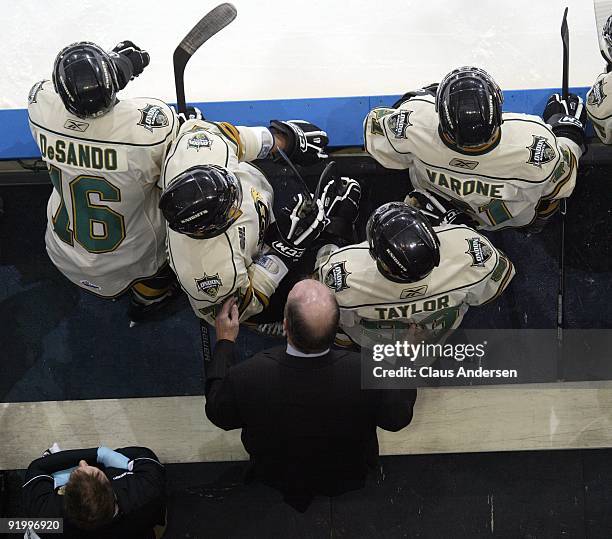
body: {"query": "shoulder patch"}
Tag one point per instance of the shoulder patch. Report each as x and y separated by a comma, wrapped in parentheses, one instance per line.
(479, 251)
(400, 122)
(336, 277)
(153, 117)
(596, 95)
(209, 284)
(33, 93)
(199, 140)
(540, 152)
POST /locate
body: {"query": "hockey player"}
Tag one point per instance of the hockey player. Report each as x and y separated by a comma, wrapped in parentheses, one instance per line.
(409, 274)
(599, 104)
(219, 211)
(104, 232)
(452, 140)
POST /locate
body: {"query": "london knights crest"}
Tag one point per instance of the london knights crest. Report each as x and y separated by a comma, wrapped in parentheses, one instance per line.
(153, 117)
(596, 96)
(540, 152)
(336, 277)
(209, 284)
(479, 251)
(399, 123)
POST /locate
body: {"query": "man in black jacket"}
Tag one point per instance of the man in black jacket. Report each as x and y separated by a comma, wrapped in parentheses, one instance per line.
(99, 492)
(306, 423)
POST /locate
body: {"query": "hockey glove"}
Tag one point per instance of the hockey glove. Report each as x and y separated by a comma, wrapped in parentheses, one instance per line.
(192, 113)
(437, 210)
(340, 197)
(301, 222)
(306, 143)
(427, 90)
(566, 118)
(130, 61)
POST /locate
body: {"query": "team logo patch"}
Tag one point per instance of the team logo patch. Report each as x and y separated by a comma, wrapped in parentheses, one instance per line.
(34, 91)
(199, 140)
(336, 277)
(413, 292)
(463, 163)
(153, 117)
(596, 96)
(76, 125)
(540, 152)
(400, 122)
(263, 213)
(89, 284)
(209, 285)
(479, 251)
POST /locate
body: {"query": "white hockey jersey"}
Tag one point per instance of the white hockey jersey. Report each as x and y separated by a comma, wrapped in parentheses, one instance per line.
(211, 270)
(500, 187)
(104, 229)
(471, 272)
(599, 107)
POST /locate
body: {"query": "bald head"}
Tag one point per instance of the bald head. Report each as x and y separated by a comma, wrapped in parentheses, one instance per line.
(311, 316)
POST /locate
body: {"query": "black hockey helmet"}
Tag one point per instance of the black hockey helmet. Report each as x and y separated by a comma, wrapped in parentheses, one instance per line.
(402, 242)
(85, 78)
(469, 105)
(202, 202)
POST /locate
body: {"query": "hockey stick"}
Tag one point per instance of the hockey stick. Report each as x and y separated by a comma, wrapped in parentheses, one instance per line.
(563, 202)
(213, 22)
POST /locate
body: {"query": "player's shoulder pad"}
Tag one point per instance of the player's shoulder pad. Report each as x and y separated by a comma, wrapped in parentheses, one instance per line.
(214, 267)
(464, 247)
(151, 120)
(354, 261)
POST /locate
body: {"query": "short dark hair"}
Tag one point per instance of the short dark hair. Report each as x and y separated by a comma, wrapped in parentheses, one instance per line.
(89, 502)
(302, 335)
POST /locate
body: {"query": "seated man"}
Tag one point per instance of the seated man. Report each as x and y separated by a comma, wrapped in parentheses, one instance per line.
(104, 230)
(504, 170)
(409, 274)
(599, 106)
(100, 493)
(221, 240)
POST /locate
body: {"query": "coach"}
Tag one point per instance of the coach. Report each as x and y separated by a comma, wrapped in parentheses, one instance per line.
(306, 423)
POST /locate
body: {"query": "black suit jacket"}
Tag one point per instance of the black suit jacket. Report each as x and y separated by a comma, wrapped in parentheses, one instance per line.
(140, 493)
(306, 423)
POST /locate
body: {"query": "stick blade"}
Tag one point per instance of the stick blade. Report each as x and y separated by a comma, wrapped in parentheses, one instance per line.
(565, 30)
(214, 21)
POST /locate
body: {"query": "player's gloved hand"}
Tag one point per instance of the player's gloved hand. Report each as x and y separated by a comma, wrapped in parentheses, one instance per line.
(192, 113)
(567, 118)
(304, 143)
(340, 197)
(130, 61)
(297, 225)
(437, 210)
(427, 90)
